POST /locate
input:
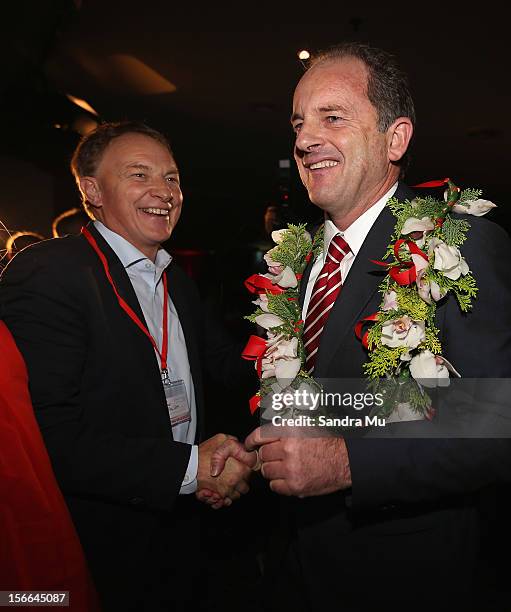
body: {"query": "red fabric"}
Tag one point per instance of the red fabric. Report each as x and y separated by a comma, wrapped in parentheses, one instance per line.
(324, 293)
(39, 547)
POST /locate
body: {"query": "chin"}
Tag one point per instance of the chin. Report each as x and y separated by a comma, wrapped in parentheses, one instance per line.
(322, 202)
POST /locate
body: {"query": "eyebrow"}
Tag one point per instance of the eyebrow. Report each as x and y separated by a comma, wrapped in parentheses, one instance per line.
(138, 166)
(331, 107)
(321, 109)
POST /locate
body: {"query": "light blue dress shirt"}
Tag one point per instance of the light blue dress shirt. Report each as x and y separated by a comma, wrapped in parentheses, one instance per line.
(146, 278)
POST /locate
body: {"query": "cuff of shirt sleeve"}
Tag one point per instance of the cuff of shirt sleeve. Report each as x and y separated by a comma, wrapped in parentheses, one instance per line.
(189, 484)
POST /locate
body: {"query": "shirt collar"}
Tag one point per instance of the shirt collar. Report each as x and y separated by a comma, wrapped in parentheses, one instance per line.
(356, 233)
(127, 253)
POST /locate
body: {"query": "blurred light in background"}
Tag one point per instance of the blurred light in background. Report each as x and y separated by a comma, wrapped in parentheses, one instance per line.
(81, 103)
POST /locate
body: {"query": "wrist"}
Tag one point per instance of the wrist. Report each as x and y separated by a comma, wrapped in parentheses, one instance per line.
(344, 472)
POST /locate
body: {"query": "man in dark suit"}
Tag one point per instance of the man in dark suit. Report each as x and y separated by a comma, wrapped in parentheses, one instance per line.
(113, 338)
(375, 522)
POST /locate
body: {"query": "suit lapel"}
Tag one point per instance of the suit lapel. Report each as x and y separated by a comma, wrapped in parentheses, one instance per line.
(136, 341)
(118, 273)
(361, 285)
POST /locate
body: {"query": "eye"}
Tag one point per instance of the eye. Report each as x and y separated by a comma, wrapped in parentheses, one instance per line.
(333, 119)
(172, 179)
(139, 174)
(297, 127)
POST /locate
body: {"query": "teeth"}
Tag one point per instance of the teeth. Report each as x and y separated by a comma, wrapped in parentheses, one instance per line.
(157, 211)
(327, 163)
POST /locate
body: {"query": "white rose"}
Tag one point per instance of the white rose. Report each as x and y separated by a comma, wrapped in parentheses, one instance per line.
(404, 412)
(417, 229)
(448, 259)
(428, 289)
(390, 301)
(281, 359)
(286, 278)
(429, 370)
(274, 267)
(278, 235)
(412, 224)
(403, 332)
(262, 302)
(268, 320)
(478, 208)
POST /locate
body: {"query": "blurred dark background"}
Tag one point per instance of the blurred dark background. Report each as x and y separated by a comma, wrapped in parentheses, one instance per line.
(218, 81)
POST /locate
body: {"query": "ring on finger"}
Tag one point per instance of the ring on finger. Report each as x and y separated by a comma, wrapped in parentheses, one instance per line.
(258, 462)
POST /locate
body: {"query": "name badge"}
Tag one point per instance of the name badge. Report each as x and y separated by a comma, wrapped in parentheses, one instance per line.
(177, 401)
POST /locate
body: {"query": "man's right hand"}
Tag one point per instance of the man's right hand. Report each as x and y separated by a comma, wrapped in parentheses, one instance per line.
(230, 483)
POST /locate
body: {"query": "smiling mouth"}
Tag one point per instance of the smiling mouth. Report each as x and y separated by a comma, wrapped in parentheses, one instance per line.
(159, 212)
(326, 163)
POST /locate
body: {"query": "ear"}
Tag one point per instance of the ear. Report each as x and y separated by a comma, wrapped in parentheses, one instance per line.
(90, 189)
(399, 135)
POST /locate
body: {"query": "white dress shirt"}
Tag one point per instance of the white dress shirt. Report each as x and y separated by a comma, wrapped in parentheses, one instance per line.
(146, 278)
(354, 235)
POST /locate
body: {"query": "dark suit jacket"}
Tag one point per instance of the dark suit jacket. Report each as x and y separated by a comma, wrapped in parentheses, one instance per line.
(411, 506)
(99, 401)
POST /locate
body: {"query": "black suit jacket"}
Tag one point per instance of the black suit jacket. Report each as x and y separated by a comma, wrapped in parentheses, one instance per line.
(412, 502)
(99, 401)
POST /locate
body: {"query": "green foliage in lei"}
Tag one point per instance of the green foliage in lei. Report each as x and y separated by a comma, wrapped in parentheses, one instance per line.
(385, 361)
(294, 250)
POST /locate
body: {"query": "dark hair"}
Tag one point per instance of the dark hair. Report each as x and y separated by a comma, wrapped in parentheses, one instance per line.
(91, 148)
(388, 88)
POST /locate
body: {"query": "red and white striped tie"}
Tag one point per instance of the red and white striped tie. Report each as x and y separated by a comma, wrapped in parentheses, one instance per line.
(325, 292)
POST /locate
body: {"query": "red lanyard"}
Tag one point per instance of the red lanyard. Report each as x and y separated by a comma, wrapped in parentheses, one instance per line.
(130, 312)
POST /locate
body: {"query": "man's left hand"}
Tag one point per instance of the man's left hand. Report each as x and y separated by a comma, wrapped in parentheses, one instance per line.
(303, 467)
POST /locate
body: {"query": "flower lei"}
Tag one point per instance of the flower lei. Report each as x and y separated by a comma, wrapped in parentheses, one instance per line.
(425, 265)
(281, 357)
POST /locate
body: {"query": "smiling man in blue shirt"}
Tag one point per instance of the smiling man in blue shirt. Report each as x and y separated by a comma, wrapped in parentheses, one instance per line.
(113, 338)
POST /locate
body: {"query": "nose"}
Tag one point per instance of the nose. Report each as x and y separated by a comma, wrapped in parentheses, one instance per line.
(162, 191)
(308, 139)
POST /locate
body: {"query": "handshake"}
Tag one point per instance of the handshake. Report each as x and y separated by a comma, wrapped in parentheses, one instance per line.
(224, 470)
(297, 466)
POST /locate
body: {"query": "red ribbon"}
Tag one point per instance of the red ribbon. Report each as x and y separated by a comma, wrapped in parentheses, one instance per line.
(254, 351)
(409, 274)
(127, 308)
(437, 183)
(260, 284)
(254, 402)
(359, 326)
(453, 192)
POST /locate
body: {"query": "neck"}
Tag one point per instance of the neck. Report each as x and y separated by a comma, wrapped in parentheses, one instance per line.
(149, 252)
(343, 220)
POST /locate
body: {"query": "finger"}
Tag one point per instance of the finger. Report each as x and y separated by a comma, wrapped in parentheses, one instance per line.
(234, 495)
(273, 470)
(242, 487)
(230, 448)
(205, 494)
(260, 436)
(273, 451)
(223, 503)
(280, 486)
